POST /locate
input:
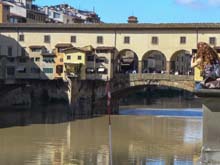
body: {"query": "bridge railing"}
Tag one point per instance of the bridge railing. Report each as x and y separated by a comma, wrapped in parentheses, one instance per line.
(154, 76)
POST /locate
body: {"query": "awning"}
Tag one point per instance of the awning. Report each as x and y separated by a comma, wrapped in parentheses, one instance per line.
(101, 69)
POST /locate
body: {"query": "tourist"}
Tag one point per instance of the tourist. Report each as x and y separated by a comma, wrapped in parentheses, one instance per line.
(207, 61)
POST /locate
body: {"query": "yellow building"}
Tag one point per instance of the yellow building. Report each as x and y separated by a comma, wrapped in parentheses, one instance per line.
(4, 13)
(75, 61)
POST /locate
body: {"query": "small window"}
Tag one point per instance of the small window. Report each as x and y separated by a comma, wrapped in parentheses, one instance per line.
(48, 70)
(90, 58)
(182, 40)
(68, 57)
(36, 49)
(32, 59)
(37, 59)
(154, 40)
(79, 57)
(126, 40)
(59, 69)
(47, 39)
(23, 53)
(212, 40)
(21, 37)
(61, 59)
(99, 39)
(9, 51)
(10, 70)
(73, 39)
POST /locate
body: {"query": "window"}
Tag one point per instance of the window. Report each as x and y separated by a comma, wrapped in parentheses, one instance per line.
(61, 59)
(90, 58)
(35, 70)
(10, 70)
(48, 70)
(99, 39)
(90, 70)
(154, 40)
(212, 40)
(68, 57)
(32, 59)
(22, 60)
(21, 37)
(9, 51)
(59, 69)
(36, 49)
(73, 39)
(101, 60)
(47, 39)
(23, 51)
(126, 40)
(182, 40)
(79, 57)
(37, 59)
(56, 15)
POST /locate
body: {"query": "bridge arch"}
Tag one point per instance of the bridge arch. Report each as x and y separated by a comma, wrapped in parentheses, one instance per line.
(153, 61)
(180, 62)
(127, 61)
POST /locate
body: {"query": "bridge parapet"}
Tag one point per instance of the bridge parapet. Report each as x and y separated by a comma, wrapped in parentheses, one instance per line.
(150, 76)
(122, 81)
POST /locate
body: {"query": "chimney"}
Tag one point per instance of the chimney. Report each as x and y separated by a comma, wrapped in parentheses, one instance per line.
(132, 19)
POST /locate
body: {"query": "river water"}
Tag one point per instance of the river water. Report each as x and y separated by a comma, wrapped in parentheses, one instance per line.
(50, 136)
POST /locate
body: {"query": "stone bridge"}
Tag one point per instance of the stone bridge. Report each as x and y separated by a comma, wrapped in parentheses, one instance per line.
(122, 82)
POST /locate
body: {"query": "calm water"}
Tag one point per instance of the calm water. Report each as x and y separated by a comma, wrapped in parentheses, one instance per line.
(26, 138)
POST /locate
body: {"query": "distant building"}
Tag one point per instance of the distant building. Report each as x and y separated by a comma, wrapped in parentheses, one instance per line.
(4, 12)
(66, 14)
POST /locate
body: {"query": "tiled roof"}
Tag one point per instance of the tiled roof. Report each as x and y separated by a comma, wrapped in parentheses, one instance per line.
(104, 26)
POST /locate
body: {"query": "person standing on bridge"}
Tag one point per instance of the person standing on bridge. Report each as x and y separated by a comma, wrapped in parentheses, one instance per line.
(208, 62)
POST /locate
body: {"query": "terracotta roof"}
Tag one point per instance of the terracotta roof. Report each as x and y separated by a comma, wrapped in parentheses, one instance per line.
(63, 45)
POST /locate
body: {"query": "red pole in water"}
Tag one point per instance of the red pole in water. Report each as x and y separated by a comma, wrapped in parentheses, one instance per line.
(108, 92)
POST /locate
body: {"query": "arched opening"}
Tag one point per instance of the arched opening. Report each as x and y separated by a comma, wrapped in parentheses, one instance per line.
(180, 63)
(127, 61)
(154, 62)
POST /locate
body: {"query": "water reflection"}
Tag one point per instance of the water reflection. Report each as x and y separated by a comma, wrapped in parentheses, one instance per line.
(135, 139)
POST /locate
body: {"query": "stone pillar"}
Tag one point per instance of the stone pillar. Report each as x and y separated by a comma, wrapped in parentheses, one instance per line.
(168, 67)
(211, 125)
(139, 67)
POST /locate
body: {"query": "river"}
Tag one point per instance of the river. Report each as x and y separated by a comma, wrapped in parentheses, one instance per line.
(51, 136)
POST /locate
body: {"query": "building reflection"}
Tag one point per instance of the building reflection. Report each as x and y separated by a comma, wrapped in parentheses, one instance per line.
(136, 140)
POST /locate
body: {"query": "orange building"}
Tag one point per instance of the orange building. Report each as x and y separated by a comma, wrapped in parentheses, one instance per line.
(59, 59)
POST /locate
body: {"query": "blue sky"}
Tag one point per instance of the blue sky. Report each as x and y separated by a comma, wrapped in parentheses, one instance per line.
(147, 11)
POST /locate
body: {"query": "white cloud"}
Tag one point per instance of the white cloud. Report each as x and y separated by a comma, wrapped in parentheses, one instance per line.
(214, 2)
(185, 2)
(191, 3)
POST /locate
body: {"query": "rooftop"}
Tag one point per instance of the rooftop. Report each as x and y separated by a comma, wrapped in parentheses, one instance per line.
(104, 26)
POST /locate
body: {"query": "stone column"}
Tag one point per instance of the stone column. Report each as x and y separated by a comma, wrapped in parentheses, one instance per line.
(168, 67)
(139, 67)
